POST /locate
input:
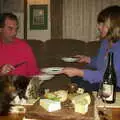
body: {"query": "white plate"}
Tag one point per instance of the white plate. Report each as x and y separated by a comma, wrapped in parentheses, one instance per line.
(52, 70)
(69, 59)
(44, 76)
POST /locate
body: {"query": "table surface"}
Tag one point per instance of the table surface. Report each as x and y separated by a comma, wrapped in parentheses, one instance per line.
(115, 114)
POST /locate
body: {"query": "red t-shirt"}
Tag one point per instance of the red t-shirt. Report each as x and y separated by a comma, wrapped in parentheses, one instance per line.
(16, 52)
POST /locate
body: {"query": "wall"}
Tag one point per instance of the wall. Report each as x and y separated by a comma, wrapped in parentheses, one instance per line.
(17, 7)
(79, 17)
(39, 34)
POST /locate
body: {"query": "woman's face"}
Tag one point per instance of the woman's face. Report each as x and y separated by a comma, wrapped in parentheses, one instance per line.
(103, 29)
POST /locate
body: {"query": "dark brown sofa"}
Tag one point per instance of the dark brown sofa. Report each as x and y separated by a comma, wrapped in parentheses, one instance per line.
(49, 54)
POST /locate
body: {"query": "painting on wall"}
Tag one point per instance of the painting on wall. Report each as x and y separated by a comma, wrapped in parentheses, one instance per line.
(38, 17)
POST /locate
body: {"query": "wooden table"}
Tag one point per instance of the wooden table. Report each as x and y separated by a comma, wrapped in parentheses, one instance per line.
(12, 117)
(115, 115)
(114, 107)
(115, 112)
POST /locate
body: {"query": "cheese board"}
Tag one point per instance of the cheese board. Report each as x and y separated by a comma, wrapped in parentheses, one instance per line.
(65, 113)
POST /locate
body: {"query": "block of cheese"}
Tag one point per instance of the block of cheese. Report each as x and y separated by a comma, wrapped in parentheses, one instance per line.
(17, 109)
(50, 105)
(81, 103)
(81, 106)
(84, 96)
(24, 118)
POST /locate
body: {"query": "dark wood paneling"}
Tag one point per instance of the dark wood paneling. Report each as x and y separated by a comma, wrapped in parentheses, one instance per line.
(25, 19)
(56, 18)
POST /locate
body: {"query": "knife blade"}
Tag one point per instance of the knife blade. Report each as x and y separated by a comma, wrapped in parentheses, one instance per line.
(19, 64)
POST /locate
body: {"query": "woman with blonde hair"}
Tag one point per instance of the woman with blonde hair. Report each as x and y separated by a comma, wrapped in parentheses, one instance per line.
(108, 24)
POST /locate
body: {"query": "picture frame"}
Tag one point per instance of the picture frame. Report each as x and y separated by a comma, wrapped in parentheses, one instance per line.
(38, 17)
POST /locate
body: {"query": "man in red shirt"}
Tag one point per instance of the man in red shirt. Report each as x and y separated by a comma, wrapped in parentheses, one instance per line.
(14, 50)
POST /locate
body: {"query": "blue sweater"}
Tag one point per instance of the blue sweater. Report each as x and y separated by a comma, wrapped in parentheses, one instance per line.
(100, 62)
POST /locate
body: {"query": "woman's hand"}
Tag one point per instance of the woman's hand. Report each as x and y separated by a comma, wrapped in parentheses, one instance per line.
(6, 69)
(71, 72)
(83, 58)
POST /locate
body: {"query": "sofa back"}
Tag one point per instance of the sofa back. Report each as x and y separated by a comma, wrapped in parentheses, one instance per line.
(49, 53)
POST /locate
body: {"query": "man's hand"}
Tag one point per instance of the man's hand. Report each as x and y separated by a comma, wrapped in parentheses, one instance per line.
(6, 69)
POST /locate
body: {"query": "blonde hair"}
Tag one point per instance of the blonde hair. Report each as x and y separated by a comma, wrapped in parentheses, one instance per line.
(113, 23)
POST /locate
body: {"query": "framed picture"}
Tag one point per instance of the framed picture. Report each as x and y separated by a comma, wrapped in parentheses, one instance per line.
(38, 17)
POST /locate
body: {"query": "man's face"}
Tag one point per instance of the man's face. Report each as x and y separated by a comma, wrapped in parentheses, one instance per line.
(9, 30)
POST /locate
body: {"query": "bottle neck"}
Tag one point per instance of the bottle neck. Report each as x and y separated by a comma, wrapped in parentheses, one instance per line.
(110, 59)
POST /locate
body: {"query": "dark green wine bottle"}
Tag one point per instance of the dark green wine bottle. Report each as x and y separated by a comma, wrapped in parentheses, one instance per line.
(109, 81)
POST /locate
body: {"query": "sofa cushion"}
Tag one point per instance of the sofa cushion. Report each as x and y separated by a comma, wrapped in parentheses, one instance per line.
(54, 50)
(49, 54)
(92, 48)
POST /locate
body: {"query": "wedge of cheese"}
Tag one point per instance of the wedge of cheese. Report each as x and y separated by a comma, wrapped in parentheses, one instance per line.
(50, 105)
(81, 106)
(62, 95)
(81, 103)
(79, 98)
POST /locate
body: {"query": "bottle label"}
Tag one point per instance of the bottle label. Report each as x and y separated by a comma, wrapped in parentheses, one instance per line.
(107, 92)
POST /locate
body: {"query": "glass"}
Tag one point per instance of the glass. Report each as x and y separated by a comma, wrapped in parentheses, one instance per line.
(103, 112)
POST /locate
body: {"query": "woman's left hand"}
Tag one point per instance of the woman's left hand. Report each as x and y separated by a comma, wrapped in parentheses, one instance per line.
(71, 72)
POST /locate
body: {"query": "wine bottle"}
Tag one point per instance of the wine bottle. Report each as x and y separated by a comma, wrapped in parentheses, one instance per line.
(109, 81)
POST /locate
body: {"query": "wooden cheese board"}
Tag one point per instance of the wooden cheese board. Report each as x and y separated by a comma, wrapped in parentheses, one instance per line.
(66, 113)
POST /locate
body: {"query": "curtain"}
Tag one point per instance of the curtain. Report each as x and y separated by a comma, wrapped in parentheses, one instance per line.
(79, 18)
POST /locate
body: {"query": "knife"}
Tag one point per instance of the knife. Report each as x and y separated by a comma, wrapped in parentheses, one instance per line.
(19, 64)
